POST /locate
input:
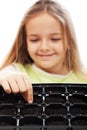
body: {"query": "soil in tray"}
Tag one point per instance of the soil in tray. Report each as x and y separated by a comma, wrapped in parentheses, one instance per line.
(37, 90)
(7, 121)
(31, 110)
(80, 120)
(7, 110)
(77, 90)
(8, 98)
(54, 120)
(30, 120)
(79, 109)
(55, 89)
(37, 99)
(76, 98)
(56, 109)
(54, 98)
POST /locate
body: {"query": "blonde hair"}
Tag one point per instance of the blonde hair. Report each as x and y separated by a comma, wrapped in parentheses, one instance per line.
(19, 53)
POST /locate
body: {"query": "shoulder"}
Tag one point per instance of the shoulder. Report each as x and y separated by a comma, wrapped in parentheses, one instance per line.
(8, 68)
(23, 68)
(79, 77)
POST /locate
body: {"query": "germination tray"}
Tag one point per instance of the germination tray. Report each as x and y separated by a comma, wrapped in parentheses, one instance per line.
(55, 107)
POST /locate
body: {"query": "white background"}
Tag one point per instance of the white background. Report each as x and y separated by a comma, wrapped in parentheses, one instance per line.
(12, 11)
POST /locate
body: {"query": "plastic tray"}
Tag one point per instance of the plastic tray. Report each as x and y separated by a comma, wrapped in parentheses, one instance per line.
(55, 107)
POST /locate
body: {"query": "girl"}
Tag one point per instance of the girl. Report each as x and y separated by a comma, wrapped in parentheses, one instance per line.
(44, 51)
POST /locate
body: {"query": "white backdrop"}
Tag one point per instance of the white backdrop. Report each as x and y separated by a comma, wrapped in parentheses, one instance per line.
(12, 11)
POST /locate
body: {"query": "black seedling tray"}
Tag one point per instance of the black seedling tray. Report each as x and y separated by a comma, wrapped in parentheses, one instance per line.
(55, 107)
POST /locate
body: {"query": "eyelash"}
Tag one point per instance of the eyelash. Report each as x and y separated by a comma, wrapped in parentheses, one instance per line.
(34, 40)
(56, 39)
(52, 39)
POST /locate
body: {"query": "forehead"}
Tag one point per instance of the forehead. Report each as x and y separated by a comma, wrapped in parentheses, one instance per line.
(43, 21)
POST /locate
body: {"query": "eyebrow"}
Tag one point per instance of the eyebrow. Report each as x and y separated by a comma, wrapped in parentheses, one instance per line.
(59, 33)
(32, 35)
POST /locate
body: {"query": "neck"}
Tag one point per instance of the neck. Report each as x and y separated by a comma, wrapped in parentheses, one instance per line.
(59, 70)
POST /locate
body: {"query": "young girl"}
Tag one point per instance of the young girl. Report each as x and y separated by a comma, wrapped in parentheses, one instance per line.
(44, 51)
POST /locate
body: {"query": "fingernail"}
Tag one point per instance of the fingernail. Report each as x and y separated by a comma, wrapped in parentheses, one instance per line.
(30, 101)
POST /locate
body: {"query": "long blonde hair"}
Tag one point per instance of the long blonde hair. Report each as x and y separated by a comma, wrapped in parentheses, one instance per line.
(19, 53)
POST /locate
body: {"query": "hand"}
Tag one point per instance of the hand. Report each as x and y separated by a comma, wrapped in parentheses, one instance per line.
(17, 82)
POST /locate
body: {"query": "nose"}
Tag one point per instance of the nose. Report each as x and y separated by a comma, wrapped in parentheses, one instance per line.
(44, 45)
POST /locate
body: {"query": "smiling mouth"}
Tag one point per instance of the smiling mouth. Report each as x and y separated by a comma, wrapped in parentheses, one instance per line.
(45, 55)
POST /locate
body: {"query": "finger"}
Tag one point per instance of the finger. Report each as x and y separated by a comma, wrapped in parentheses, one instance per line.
(21, 84)
(14, 87)
(29, 93)
(28, 97)
(5, 85)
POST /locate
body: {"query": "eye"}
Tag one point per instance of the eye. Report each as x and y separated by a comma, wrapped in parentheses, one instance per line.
(34, 40)
(55, 39)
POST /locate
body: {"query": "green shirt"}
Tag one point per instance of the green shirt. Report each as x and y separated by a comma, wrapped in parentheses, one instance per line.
(39, 76)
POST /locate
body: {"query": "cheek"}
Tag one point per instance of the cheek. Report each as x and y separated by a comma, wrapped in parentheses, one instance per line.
(60, 48)
(31, 49)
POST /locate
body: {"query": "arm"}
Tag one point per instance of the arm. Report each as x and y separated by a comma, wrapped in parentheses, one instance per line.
(14, 81)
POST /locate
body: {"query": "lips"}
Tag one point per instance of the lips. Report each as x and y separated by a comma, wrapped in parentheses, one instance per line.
(45, 55)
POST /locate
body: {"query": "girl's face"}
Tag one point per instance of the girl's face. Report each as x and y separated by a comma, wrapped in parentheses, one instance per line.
(45, 43)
